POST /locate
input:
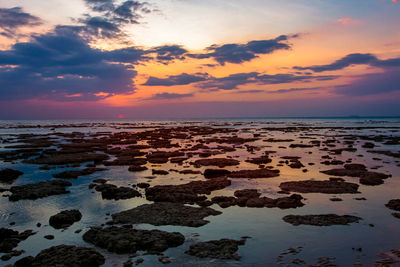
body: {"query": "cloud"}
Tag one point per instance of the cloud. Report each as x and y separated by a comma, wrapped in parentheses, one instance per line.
(282, 91)
(371, 84)
(354, 59)
(13, 18)
(239, 53)
(181, 79)
(111, 17)
(167, 53)
(168, 96)
(62, 63)
(232, 81)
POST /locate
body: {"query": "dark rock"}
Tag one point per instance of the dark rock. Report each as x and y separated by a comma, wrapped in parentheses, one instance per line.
(159, 172)
(373, 178)
(65, 218)
(214, 173)
(110, 191)
(393, 204)
(11, 254)
(137, 168)
(9, 238)
(125, 240)
(386, 153)
(300, 146)
(143, 185)
(247, 193)
(38, 190)
(321, 220)
(224, 201)
(63, 256)
(252, 174)
(326, 187)
(368, 145)
(217, 249)
(185, 193)
(260, 160)
(9, 175)
(220, 162)
(164, 259)
(165, 213)
(49, 237)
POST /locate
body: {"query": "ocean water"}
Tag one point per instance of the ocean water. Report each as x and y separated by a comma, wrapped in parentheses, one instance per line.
(377, 232)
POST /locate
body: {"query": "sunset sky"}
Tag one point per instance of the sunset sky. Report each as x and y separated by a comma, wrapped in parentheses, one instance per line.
(198, 58)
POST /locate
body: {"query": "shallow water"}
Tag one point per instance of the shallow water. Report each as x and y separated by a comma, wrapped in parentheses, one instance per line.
(270, 235)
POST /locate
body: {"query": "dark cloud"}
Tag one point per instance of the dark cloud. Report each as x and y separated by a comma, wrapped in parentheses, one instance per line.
(253, 91)
(61, 62)
(13, 18)
(354, 59)
(282, 91)
(233, 81)
(239, 53)
(181, 79)
(167, 53)
(371, 84)
(111, 17)
(166, 96)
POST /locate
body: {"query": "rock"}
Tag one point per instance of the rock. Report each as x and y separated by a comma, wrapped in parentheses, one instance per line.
(214, 173)
(185, 193)
(137, 168)
(11, 254)
(393, 204)
(321, 220)
(260, 160)
(296, 165)
(251, 198)
(125, 240)
(128, 263)
(76, 174)
(38, 190)
(373, 178)
(255, 202)
(326, 187)
(159, 172)
(143, 185)
(164, 259)
(110, 191)
(359, 170)
(368, 145)
(65, 218)
(165, 213)
(217, 249)
(300, 146)
(220, 162)
(9, 175)
(252, 174)
(224, 201)
(49, 237)
(9, 238)
(387, 153)
(247, 193)
(63, 255)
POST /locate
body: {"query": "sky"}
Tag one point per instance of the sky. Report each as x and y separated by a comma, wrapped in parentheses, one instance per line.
(108, 59)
